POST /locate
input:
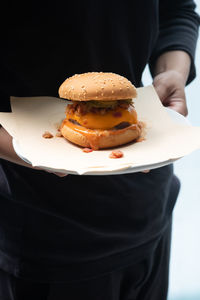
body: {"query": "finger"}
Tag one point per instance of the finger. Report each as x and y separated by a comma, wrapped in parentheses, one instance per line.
(60, 174)
(179, 106)
(162, 88)
(145, 171)
(162, 92)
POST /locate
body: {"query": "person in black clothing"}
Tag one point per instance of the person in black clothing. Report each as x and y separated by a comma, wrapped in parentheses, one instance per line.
(89, 237)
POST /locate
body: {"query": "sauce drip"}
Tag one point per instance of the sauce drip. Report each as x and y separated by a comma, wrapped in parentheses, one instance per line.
(93, 136)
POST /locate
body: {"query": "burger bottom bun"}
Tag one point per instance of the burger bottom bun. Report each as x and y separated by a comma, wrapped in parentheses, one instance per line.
(101, 139)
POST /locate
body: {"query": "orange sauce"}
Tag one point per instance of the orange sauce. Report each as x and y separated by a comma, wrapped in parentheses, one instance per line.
(141, 138)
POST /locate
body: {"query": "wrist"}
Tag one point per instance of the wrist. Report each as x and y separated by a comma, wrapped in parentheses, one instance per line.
(175, 62)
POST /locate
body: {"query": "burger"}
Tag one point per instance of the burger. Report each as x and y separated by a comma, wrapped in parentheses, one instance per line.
(101, 112)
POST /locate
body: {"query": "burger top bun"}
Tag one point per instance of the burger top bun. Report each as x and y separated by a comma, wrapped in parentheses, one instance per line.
(97, 86)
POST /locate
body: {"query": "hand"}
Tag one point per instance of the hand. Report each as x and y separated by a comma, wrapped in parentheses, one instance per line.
(146, 171)
(56, 173)
(170, 87)
(8, 153)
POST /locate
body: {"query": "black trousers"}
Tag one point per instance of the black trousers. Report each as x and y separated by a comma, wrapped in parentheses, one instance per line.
(146, 280)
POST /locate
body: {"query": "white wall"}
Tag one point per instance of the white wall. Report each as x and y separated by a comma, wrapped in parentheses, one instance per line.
(185, 257)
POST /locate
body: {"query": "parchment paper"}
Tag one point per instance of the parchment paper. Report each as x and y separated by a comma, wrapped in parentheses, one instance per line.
(165, 138)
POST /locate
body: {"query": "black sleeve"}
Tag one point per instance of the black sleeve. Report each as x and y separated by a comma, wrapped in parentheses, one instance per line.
(4, 102)
(178, 30)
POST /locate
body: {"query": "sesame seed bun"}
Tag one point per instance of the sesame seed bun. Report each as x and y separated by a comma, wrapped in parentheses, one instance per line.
(97, 86)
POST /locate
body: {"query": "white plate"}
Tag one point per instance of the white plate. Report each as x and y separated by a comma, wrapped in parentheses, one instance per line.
(122, 170)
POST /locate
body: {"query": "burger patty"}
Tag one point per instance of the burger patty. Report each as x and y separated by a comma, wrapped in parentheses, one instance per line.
(121, 125)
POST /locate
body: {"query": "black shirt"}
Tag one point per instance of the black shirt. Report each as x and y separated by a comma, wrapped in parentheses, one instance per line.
(53, 228)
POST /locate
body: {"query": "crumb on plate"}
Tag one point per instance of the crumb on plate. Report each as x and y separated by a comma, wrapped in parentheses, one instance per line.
(116, 154)
(59, 134)
(87, 150)
(47, 135)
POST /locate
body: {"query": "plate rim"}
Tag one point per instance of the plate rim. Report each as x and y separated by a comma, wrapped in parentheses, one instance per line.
(126, 170)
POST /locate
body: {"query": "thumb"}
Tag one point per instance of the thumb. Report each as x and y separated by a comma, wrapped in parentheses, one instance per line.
(162, 89)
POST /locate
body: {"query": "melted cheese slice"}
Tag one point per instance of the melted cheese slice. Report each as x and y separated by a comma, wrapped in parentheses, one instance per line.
(106, 121)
